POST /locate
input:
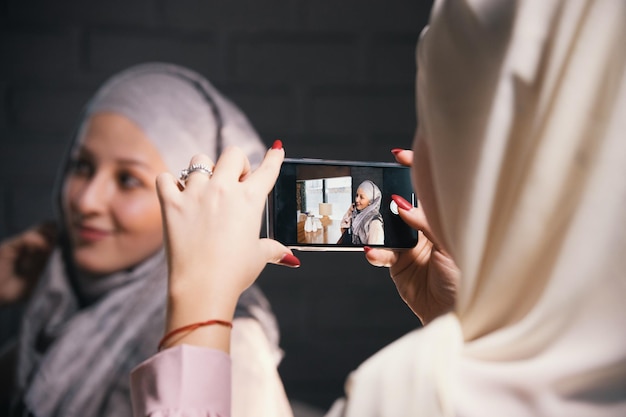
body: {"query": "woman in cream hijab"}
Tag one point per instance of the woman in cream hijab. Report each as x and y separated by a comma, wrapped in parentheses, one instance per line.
(520, 165)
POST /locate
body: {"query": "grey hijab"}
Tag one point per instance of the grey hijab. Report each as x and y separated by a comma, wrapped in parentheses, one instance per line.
(361, 219)
(82, 335)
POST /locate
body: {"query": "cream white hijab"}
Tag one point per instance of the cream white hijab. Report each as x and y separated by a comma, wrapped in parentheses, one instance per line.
(522, 110)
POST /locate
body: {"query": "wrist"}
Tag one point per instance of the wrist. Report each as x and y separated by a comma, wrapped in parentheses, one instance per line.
(195, 298)
(203, 292)
(199, 298)
(187, 310)
(209, 333)
(199, 306)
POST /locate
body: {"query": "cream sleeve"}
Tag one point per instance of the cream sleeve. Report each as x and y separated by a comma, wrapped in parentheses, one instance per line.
(376, 234)
(257, 389)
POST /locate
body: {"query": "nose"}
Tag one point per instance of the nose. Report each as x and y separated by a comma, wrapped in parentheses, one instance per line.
(89, 196)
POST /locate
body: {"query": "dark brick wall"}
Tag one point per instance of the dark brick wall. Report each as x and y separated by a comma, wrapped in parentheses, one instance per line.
(332, 79)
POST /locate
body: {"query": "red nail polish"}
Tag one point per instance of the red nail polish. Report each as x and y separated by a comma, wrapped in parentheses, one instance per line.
(401, 202)
(396, 151)
(366, 249)
(290, 260)
(278, 144)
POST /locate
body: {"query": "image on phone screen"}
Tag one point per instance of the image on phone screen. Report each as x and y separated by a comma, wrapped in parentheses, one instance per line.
(340, 205)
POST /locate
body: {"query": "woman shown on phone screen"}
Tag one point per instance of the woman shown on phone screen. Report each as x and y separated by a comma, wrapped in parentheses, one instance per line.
(363, 224)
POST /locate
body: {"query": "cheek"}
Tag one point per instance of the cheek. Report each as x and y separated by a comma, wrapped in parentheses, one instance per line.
(140, 217)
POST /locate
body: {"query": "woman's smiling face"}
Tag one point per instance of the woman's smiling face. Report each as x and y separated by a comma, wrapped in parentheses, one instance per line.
(110, 204)
(361, 200)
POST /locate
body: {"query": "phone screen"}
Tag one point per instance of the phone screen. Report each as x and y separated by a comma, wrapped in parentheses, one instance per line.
(339, 205)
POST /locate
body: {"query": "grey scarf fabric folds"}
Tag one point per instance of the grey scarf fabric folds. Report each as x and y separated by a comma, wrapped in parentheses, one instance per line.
(81, 335)
(361, 219)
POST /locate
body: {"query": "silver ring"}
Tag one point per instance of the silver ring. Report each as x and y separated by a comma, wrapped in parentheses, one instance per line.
(185, 173)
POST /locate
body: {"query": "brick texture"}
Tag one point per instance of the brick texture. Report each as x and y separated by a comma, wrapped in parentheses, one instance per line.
(295, 58)
(78, 12)
(220, 15)
(332, 79)
(113, 50)
(34, 52)
(46, 110)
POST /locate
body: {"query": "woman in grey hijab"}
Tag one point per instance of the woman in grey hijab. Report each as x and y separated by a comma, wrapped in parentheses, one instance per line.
(363, 224)
(98, 309)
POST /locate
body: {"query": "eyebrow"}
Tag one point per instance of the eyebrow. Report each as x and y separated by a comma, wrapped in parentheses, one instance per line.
(135, 162)
(82, 150)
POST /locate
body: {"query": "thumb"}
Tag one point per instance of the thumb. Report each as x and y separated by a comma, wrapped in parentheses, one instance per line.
(168, 188)
(277, 253)
(381, 257)
(416, 218)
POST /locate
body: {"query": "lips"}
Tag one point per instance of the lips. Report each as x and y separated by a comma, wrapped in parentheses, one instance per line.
(90, 234)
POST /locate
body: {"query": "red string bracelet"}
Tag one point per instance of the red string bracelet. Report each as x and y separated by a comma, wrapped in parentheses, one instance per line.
(192, 327)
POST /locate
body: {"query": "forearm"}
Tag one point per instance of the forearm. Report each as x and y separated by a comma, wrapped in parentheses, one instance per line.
(187, 306)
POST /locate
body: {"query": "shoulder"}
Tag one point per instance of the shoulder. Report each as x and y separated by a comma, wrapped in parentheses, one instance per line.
(377, 221)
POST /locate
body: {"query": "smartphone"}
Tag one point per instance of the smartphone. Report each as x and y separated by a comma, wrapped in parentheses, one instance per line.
(322, 205)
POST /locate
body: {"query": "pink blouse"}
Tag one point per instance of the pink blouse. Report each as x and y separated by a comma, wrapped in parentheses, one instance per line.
(183, 381)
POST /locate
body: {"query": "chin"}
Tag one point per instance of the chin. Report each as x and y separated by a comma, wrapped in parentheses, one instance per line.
(93, 268)
(94, 263)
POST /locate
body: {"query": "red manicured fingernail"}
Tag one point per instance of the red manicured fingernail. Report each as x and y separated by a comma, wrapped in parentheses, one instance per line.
(366, 249)
(278, 144)
(396, 151)
(401, 202)
(290, 260)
